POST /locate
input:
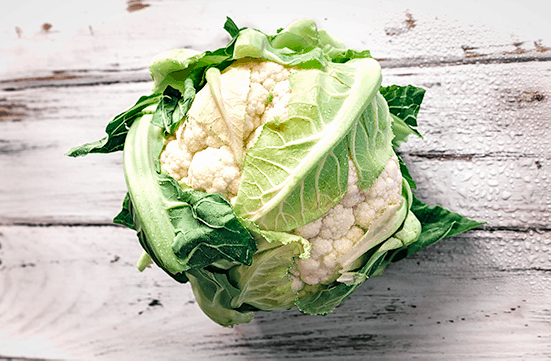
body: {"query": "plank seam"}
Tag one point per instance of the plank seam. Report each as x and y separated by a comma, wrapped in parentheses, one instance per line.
(11, 84)
(484, 228)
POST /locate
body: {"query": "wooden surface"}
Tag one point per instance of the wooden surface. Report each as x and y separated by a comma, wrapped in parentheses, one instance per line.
(69, 289)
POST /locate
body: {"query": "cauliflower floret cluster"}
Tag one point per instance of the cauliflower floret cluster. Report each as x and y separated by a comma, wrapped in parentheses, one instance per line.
(197, 155)
(335, 233)
(176, 160)
(214, 170)
(268, 96)
(383, 192)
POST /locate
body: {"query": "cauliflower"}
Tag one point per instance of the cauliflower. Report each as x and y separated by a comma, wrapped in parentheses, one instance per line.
(200, 158)
(273, 133)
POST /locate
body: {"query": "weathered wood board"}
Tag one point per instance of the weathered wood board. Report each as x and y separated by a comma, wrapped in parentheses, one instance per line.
(68, 285)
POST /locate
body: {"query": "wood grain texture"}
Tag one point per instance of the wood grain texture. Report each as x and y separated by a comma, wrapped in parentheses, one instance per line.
(83, 299)
(69, 289)
(485, 151)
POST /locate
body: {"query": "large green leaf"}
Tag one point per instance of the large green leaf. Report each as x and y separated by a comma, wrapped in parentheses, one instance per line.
(125, 216)
(303, 36)
(298, 168)
(214, 294)
(267, 283)
(116, 129)
(404, 103)
(438, 223)
(182, 229)
(207, 229)
(370, 142)
(172, 108)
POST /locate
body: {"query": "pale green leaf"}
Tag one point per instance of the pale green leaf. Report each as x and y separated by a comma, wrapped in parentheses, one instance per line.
(298, 168)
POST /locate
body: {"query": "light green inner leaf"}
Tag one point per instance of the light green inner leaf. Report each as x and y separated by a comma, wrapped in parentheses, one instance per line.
(298, 168)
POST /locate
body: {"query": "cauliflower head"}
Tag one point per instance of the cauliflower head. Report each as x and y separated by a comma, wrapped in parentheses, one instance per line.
(266, 175)
(200, 156)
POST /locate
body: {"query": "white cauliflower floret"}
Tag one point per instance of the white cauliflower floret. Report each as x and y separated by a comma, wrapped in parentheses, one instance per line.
(176, 160)
(269, 97)
(309, 230)
(279, 106)
(258, 97)
(343, 245)
(353, 194)
(336, 233)
(354, 234)
(214, 170)
(321, 247)
(386, 190)
(195, 137)
(268, 73)
(322, 266)
(337, 222)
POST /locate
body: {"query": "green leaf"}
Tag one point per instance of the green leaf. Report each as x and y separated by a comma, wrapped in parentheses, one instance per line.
(251, 43)
(184, 104)
(438, 223)
(184, 70)
(267, 283)
(207, 229)
(303, 36)
(300, 36)
(164, 114)
(125, 216)
(405, 173)
(404, 102)
(410, 231)
(116, 130)
(179, 229)
(370, 142)
(230, 27)
(337, 51)
(214, 294)
(128, 217)
(402, 131)
(298, 168)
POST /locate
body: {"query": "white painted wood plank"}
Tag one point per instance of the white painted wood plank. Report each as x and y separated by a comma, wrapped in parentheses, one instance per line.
(104, 35)
(42, 182)
(482, 109)
(73, 293)
(486, 149)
